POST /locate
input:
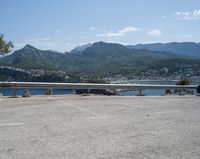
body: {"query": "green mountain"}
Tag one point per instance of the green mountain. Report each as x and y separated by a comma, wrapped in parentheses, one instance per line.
(181, 48)
(99, 59)
(32, 58)
(106, 59)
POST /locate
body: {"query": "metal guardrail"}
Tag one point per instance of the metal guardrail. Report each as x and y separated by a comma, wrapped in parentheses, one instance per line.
(91, 86)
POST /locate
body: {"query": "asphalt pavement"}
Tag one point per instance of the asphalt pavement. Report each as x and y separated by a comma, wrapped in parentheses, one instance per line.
(100, 127)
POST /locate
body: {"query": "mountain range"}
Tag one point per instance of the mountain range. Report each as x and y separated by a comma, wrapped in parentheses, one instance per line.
(100, 59)
(181, 48)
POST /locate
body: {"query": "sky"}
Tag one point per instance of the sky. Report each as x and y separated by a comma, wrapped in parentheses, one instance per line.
(64, 24)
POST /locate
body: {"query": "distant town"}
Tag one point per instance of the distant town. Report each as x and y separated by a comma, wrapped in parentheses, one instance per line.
(149, 75)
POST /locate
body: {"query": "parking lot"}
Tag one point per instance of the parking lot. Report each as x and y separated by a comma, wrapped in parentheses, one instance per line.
(90, 127)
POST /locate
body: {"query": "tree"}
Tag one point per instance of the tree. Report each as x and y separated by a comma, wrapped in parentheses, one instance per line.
(183, 82)
(5, 46)
(180, 91)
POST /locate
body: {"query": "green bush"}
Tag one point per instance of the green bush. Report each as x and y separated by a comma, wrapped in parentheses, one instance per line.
(183, 82)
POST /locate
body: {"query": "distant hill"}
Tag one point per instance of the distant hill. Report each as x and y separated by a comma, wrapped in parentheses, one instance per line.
(99, 59)
(30, 57)
(181, 48)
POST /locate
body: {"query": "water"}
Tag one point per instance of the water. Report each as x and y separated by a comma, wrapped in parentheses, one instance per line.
(147, 92)
(151, 91)
(19, 92)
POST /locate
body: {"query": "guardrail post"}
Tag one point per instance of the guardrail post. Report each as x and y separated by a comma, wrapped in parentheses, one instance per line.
(140, 92)
(14, 93)
(198, 90)
(74, 91)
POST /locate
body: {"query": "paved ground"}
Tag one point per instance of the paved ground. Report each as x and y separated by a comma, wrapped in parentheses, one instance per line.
(90, 127)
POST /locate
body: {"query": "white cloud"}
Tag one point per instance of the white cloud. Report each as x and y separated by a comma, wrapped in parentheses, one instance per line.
(37, 40)
(194, 15)
(57, 31)
(92, 28)
(155, 32)
(120, 33)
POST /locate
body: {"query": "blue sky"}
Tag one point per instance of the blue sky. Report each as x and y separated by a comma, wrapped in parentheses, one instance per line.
(63, 24)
